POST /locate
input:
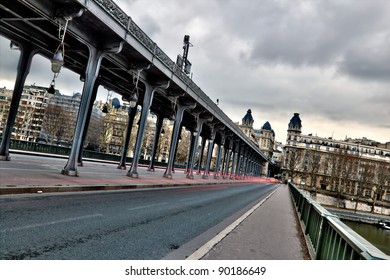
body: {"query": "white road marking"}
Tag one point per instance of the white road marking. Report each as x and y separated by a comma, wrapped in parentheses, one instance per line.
(190, 198)
(147, 206)
(51, 223)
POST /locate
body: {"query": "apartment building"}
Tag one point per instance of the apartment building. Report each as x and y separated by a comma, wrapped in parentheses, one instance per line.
(354, 167)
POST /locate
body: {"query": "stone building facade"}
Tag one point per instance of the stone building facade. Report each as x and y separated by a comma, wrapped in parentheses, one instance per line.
(264, 138)
(344, 168)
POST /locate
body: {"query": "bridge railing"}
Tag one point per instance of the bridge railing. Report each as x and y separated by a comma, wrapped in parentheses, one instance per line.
(327, 237)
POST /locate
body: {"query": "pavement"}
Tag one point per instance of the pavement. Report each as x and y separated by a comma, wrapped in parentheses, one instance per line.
(270, 230)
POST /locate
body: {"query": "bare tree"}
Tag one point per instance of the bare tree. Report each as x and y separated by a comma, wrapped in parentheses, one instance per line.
(314, 163)
(93, 135)
(294, 162)
(183, 147)
(147, 141)
(365, 176)
(335, 160)
(348, 171)
(382, 180)
(53, 122)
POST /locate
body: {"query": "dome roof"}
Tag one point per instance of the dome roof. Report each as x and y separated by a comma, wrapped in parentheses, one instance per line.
(295, 123)
(248, 115)
(267, 126)
(116, 103)
(76, 95)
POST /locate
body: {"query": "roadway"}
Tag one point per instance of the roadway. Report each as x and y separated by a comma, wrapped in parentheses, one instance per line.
(126, 224)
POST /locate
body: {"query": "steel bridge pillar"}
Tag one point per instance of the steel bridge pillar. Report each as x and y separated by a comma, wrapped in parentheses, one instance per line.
(147, 102)
(159, 124)
(219, 156)
(91, 73)
(229, 150)
(175, 137)
(26, 54)
(192, 145)
(240, 155)
(177, 145)
(129, 127)
(85, 131)
(210, 149)
(198, 130)
(244, 161)
(235, 155)
(201, 154)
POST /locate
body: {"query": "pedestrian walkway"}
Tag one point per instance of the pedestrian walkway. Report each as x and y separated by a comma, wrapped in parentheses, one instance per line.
(31, 174)
(270, 232)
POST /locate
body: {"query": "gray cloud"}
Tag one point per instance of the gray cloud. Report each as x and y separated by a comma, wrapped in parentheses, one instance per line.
(328, 60)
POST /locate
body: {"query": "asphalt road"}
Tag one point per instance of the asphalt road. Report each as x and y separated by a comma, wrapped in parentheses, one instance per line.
(137, 224)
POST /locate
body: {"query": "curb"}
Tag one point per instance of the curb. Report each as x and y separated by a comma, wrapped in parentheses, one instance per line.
(56, 189)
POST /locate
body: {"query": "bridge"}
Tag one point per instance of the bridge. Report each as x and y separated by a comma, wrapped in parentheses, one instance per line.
(102, 44)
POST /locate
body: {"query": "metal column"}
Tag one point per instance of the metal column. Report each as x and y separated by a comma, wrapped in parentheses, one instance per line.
(159, 124)
(91, 73)
(26, 55)
(147, 102)
(175, 137)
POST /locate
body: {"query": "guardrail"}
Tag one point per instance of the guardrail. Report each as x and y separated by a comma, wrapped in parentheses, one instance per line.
(327, 237)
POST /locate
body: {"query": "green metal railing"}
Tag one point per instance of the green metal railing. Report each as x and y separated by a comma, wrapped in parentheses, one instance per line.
(65, 151)
(327, 237)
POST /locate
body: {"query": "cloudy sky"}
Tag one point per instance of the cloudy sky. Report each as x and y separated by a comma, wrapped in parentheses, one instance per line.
(327, 60)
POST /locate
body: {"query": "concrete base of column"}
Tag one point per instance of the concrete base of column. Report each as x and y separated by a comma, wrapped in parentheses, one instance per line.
(205, 176)
(132, 175)
(150, 169)
(168, 176)
(5, 158)
(190, 176)
(73, 173)
(123, 167)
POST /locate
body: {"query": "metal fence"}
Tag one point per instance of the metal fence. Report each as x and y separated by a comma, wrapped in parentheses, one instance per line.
(327, 237)
(65, 151)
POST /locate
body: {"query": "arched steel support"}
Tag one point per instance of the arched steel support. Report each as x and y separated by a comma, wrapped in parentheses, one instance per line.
(147, 102)
(129, 127)
(175, 136)
(210, 149)
(229, 150)
(27, 52)
(235, 159)
(159, 124)
(219, 156)
(198, 130)
(202, 147)
(85, 131)
(94, 60)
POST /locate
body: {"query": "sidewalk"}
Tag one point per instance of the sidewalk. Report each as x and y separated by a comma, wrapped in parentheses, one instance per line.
(31, 174)
(271, 232)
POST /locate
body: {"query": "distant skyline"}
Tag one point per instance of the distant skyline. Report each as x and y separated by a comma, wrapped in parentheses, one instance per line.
(327, 60)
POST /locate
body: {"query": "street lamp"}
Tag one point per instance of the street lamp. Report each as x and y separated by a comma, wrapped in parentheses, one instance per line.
(58, 58)
(133, 100)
